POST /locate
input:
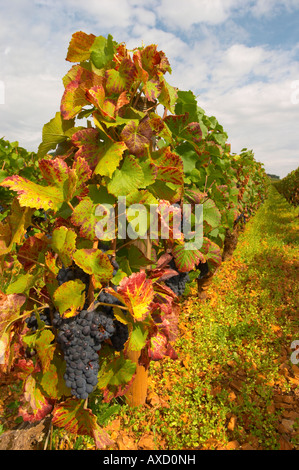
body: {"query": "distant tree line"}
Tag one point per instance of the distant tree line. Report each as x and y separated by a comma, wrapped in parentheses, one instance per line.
(273, 177)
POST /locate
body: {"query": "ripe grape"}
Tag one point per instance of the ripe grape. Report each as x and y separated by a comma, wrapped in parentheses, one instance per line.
(32, 320)
(121, 333)
(177, 283)
(80, 338)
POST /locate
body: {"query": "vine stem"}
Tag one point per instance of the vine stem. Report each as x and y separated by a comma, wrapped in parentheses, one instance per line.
(112, 305)
(70, 205)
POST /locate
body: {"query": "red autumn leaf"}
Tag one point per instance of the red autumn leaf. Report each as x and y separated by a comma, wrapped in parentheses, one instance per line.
(31, 248)
(137, 136)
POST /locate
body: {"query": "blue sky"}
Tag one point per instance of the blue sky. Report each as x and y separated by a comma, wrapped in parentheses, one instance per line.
(239, 57)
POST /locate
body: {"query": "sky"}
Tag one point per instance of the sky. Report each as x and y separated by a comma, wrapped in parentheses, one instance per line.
(239, 57)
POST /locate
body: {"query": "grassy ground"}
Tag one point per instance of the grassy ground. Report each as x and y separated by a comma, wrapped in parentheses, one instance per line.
(234, 385)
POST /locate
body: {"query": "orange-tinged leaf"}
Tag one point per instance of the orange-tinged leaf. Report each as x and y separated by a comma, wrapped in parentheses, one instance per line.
(36, 405)
(72, 416)
(14, 228)
(31, 248)
(10, 306)
(137, 292)
(79, 47)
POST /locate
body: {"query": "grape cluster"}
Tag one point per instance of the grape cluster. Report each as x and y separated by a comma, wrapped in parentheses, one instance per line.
(240, 217)
(177, 283)
(121, 333)
(71, 273)
(32, 320)
(80, 338)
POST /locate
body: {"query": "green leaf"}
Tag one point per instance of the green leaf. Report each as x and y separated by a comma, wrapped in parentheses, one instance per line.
(118, 81)
(110, 156)
(23, 284)
(102, 51)
(44, 348)
(52, 380)
(188, 155)
(84, 217)
(186, 103)
(69, 298)
(95, 262)
(53, 134)
(138, 337)
(75, 93)
(64, 244)
(168, 95)
(117, 372)
(212, 252)
(35, 406)
(211, 215)
(126, 179)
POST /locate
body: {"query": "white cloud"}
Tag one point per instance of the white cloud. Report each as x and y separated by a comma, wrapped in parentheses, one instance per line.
(271, 7)
(247, 88)
(176, 14)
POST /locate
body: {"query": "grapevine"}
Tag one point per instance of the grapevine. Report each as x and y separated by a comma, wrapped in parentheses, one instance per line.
(100, 300)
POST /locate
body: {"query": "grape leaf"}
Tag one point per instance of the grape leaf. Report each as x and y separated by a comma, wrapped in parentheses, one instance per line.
(160, 347)
(107, 107)
(136, 292)
(211, 215)
(31, 249)
(52, 380)
(14, 228)
(74, 96)
(137, 338)
(95, 262)
(84, 217)
(137, 137)
(116, 372)
(168, 95)
(115, 377)
(69, 298)
(10, 306)
(80, 46)
(54, 132)
(118, 81)
(24, 283)
(127, 178)
(36, 405)
(74, 418)
(102, 51)
(212, 252)
(63, 184)
(44, 348)
(186, 260)
(64, 244)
